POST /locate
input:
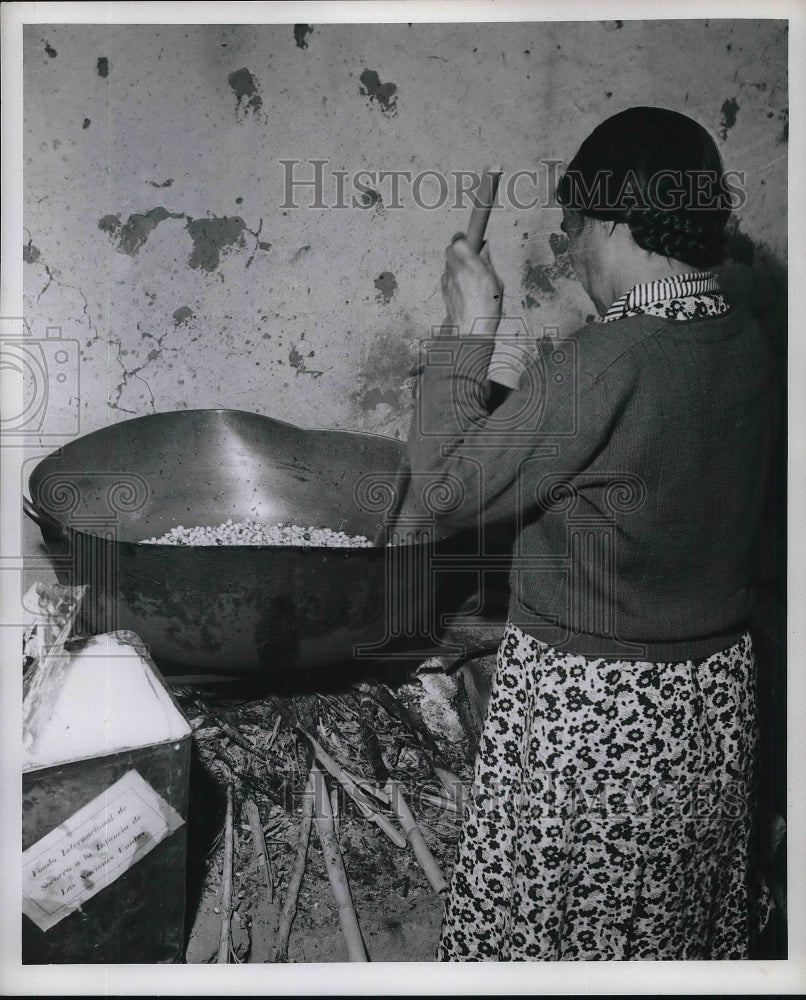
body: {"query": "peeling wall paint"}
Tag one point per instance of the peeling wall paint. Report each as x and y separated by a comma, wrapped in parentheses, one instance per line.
(134, 232)
(301, 31)
(383, 373)
(386, 285)
(213, 236)
(182, 315)
(384, 94)
(729, 111)
(244, 86)
(541, 280)
(158, 232)
(210, 236)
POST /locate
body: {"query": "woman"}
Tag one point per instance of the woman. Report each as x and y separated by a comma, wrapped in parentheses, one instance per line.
(611, 808)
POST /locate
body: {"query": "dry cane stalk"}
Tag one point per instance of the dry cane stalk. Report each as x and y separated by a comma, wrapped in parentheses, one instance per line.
(334, 808)
(279, 952)
(237, 737)
(336, 771)
(453, 785)
(278, 796)
(226, 878)
(368, 787)
(441, 802)
(273, 735)
(273, 786)
(416, 725)
(323, 818)
(381, 822)
(356, 794)
(414, 833)
(259, 845)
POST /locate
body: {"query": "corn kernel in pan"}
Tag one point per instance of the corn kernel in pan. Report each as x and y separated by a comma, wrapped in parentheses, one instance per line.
(251, 532)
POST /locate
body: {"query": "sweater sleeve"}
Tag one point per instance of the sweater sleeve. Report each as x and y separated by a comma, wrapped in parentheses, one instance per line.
(484, 467)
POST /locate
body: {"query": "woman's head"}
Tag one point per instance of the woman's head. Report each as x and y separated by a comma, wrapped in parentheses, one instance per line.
(660, 174)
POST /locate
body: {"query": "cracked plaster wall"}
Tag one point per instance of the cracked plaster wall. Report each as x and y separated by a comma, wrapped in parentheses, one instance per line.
(154, 235)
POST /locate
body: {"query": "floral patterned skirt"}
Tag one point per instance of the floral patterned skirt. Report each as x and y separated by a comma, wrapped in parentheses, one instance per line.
(610, 814)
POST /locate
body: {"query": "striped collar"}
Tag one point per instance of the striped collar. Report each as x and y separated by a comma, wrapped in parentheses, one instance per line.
(680, 296)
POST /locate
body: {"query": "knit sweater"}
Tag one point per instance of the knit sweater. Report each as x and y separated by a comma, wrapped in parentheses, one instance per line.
(630, 465)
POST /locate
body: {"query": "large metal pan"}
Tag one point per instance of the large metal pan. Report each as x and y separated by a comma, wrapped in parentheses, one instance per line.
(240, 610)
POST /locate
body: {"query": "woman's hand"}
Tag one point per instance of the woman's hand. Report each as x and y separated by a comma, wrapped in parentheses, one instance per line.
(471, 289)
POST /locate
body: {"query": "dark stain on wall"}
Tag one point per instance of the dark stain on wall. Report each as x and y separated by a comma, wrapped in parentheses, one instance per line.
(133, 233)
(729, 111)
(244, 86)
(383, 93)
(182, 315)
(109, 224)
(370, 198)
(558, 244)
(300, 31)
(386, 285)
(164, 184)
(102, 67)
(297, 361)
(384, 374)
(86, 123)
(537, 278)
(211, 236)
(50, 50)
(30, 253)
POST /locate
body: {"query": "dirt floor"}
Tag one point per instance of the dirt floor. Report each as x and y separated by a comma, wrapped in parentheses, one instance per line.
(421, 733)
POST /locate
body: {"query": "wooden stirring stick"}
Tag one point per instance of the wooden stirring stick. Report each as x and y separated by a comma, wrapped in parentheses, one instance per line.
(483, 201)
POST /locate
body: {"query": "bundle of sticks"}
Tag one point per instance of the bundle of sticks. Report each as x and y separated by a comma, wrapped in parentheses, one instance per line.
(333, 767)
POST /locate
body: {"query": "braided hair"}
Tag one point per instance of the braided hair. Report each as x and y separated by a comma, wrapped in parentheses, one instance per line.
(660, 173)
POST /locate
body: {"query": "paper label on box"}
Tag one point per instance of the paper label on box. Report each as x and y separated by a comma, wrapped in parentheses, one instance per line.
(97, 845)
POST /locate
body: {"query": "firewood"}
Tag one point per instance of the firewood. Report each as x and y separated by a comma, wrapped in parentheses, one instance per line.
(226, 878)
(337, 874)
(279, 952)
(415, 837)
(428, 744)
(336, 771)
(259, 846)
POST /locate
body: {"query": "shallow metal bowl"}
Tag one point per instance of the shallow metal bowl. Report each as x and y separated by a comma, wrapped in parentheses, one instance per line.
(237, 610)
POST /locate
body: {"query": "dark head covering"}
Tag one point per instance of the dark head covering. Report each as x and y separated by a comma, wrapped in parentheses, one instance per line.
(659, 172)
